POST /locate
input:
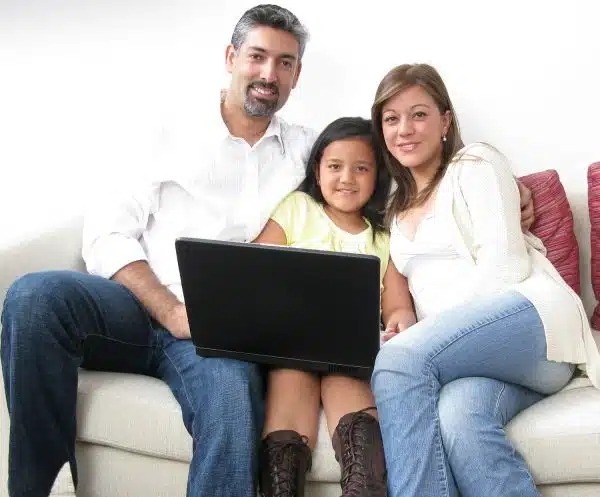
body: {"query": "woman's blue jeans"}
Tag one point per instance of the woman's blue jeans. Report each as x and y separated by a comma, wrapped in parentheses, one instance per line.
(446, 387)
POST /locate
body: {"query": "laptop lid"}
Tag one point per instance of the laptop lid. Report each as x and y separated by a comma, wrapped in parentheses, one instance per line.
(288, 307)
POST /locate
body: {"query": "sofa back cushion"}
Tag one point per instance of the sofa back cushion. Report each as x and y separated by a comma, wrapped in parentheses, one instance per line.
(594, 208)
(554, 224)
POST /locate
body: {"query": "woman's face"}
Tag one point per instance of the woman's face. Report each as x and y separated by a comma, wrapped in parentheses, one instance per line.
(413, 128)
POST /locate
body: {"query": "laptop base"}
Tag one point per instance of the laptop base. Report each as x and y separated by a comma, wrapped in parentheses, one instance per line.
(323, 368)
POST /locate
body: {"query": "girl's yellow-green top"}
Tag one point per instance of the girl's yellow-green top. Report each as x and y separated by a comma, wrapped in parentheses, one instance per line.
(306, 225)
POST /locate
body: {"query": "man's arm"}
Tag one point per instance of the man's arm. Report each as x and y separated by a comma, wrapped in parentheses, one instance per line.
(527, 211)
(162, 304)
(112, 249)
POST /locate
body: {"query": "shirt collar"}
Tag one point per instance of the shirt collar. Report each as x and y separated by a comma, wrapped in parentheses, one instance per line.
(274, 128)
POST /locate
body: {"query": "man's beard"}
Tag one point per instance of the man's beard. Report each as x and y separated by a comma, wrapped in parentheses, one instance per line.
(257, 107)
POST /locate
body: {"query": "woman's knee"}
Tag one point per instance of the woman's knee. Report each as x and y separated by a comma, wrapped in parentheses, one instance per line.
(398, 363)
(465, 406)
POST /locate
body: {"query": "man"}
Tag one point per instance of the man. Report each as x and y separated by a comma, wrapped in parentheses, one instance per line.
(127, 314)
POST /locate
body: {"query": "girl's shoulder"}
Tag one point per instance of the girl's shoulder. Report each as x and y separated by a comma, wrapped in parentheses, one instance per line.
(295, 211)
(298, 200)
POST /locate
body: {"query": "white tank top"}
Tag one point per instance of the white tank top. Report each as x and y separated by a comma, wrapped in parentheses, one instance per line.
(432, 265)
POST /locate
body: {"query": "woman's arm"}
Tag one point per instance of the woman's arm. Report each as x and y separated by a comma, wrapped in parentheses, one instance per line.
(272, 234)
(396, 302)
(496, 241)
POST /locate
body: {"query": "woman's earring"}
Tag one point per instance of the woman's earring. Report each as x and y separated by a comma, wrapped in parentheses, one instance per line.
(444, 139)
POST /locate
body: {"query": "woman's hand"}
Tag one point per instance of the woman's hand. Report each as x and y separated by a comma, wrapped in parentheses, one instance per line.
(398, 322)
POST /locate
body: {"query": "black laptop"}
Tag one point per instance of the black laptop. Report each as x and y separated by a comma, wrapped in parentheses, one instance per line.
(288, 307)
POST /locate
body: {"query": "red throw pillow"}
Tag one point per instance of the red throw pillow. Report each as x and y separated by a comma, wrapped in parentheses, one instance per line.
(554, 224)
(594, 208)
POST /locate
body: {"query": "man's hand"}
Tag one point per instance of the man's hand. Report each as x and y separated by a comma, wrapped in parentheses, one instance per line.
(162, 304)
(176, 322)
(527, 211)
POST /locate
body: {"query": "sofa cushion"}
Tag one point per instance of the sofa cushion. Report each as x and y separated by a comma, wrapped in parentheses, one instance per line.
(139, 414)
(131, 412)
(558, 436)
(594, 208)
(554, 224)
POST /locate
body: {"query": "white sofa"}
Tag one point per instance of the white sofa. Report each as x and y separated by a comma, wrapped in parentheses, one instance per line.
(132, 442)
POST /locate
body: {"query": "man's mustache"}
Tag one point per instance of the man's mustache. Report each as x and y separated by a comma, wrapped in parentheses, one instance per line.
(266, 86)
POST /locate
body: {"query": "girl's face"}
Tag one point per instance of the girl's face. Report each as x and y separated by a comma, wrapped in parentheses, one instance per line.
(347, 174)
(413, 127)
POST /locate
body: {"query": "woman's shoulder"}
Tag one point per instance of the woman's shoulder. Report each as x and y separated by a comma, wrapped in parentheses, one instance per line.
(475, 157)
(478, 152)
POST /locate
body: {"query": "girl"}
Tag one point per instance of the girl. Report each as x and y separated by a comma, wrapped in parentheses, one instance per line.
(338, 207)
(498, 327)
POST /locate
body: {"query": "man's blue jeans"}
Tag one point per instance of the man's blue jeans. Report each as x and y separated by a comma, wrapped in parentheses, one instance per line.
(447, 386)
(54, 322)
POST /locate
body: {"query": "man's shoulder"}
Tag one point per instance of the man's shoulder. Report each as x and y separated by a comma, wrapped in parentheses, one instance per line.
(297, 133)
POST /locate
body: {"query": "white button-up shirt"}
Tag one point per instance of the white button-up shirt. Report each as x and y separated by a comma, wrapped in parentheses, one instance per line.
(219, 188)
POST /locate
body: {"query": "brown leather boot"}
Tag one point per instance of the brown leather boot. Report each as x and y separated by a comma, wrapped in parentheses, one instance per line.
(284, 460)
(359, 450)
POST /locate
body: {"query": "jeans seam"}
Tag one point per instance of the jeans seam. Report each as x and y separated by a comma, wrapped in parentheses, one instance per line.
(466, 331)
(439, 449)
(116, 341)
(500, 394)
(187, 396)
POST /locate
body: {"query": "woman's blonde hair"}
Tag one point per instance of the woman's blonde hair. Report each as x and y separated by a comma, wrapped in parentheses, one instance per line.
(397, 80)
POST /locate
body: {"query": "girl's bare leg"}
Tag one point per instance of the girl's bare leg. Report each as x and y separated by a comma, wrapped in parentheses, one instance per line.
(342, 395)
(293, 403)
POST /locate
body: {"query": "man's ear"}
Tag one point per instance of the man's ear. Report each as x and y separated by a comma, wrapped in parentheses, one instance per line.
(229, 58)
(297, 75)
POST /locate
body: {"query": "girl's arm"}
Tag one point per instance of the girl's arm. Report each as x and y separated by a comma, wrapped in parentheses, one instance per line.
(272, 234)
(396, 302)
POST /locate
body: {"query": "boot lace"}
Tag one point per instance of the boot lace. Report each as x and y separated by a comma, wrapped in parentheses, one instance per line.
(283, 468)
(355, 476)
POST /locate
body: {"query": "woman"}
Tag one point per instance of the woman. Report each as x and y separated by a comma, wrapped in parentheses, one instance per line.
(498, 327)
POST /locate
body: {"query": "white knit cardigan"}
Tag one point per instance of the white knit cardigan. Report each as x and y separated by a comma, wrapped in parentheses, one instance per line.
(479, 203)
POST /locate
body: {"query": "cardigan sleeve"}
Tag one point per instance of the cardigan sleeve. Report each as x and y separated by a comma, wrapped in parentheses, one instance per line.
(488, 190)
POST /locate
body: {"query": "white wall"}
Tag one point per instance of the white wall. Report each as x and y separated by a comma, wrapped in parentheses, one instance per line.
(85, 87)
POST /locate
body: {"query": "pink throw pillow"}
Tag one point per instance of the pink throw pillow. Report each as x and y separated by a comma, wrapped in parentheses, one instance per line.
(594, 208)
(554, 224)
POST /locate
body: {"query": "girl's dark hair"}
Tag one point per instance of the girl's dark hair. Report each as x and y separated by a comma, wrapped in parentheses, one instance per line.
(341, 129)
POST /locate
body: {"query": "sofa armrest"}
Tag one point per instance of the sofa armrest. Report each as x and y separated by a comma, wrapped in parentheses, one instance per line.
(58, 248)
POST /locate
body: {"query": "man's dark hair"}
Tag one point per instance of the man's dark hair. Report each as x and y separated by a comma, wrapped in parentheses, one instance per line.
(272, 16)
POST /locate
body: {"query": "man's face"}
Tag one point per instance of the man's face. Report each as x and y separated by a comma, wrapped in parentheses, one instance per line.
(264, 70)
